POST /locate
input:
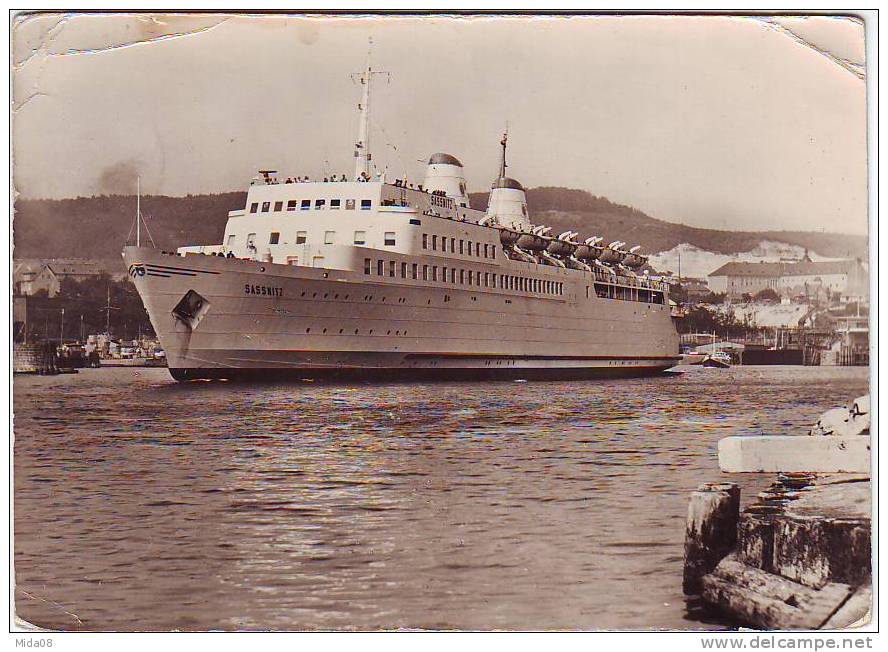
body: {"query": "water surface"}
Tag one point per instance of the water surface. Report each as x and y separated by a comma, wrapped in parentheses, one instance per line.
(145, 504)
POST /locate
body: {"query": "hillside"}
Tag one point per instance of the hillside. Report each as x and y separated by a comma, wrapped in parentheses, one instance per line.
(97, 227)
(565, 209)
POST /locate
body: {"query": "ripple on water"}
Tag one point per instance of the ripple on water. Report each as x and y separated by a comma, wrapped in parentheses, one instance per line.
(141, 503)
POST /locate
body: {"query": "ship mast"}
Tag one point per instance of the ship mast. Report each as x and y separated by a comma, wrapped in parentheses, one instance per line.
(502, 172)
(138, 211)
(363, 157)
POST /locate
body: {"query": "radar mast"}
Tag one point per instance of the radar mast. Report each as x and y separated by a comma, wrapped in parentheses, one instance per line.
(363, 156)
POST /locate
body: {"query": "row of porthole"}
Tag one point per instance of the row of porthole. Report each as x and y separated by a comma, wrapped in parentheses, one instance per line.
(357, 332)
(314, 295)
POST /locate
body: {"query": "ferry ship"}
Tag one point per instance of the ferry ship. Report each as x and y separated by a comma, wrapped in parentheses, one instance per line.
(378, 279)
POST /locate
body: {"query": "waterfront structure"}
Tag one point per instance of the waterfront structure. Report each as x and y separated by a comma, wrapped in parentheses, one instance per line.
(32, 275)
(375, 278)
(29, 278)
(841, 277)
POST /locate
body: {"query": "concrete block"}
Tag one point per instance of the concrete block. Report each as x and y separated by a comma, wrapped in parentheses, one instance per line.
(772, 453)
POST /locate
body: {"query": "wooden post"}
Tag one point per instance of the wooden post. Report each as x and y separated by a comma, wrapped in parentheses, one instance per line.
(711, 531)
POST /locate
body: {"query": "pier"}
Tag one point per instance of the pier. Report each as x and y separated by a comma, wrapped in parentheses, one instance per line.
(799, 555)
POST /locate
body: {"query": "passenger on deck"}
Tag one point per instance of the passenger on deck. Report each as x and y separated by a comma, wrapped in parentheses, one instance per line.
(343, 178)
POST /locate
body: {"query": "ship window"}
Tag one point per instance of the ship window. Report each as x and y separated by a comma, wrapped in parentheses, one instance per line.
(403, 270)
(306, 204)
(366, 204)
(380, 271)
(425, 240)
(320, 203)
(329, 236)
(391, 268)
(367, 266)
(349, 204)
(266, 206)
(278, 206)
(434, 243)
(301, 237)
(254, 207)
(291, 205)
(425, 272)
(415, 267)
(274, 238)
(453, 275)
(485, 251)
(462, 277)
(443, 274)
(487, 279)
(461, 247)
(360, 237)
(471, 275)
(335, 204)
(493, 251)
(434, 272)
(231, 239)
(389, 238)
(251, 240)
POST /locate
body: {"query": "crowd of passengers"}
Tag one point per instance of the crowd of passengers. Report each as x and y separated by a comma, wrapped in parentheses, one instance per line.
(362, 178)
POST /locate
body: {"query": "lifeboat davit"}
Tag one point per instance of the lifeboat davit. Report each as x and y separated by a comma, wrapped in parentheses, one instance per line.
(590, 250)
(535, 240)
(613, 252)
(562, 246)
(633, 258)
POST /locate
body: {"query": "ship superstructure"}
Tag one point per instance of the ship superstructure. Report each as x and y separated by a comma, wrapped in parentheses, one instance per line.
(375, 278)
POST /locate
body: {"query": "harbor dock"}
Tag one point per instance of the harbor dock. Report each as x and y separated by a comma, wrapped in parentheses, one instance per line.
(798, 556)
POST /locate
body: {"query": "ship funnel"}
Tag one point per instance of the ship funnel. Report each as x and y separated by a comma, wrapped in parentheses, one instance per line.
(508, 202)
(444, 173)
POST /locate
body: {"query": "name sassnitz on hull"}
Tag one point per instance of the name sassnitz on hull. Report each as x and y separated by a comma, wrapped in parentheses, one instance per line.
(378, 279)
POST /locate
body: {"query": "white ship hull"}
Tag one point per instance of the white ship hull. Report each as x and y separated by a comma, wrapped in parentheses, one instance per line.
(263, 320)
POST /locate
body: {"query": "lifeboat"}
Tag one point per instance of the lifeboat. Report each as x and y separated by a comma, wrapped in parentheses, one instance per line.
(633, 258)
(509, 237)
(562, 245)
(613, 252)
(535, 240)
(589, 250)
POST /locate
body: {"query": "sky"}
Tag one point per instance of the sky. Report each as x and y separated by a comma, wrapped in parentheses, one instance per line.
(739, 123)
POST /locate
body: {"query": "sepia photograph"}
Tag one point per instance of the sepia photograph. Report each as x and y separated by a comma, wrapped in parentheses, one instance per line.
(441, 322)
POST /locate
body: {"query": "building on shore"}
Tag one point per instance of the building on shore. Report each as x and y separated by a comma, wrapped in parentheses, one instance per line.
(814, 280)
(31, 275)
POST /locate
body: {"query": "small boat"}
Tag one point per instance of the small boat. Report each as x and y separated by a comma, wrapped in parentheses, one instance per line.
(613, 253)
(590, 250)
(534, 241)
(717, 360)
(562, 246)
(633, 258)
(509, 237)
